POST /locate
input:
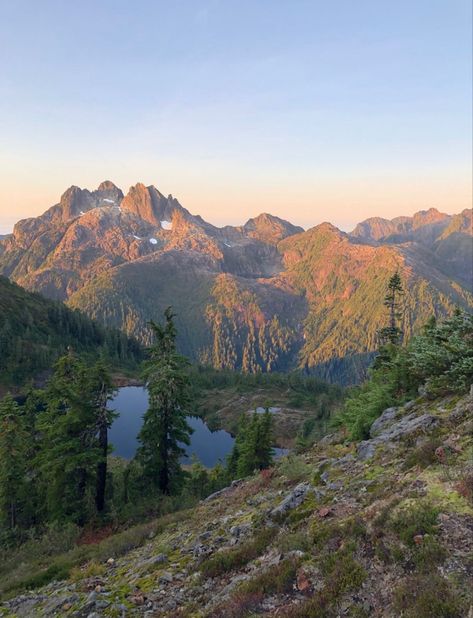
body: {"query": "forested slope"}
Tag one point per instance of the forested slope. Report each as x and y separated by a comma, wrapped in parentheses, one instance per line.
(35, 331)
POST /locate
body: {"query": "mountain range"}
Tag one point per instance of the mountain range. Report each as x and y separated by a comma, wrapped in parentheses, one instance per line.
(266, 295)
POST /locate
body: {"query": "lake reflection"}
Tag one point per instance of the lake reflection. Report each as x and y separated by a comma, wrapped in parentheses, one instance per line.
(132, 401)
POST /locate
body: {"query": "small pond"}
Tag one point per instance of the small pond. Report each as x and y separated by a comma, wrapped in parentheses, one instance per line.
(131, 403)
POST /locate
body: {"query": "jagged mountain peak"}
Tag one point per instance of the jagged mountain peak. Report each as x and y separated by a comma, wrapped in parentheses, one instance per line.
(150, 204)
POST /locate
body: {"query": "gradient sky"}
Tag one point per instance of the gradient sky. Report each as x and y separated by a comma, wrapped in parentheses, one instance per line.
(311, 110)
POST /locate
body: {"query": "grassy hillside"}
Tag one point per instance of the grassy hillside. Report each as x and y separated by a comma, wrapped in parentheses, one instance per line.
(35, 331)
(332, 529)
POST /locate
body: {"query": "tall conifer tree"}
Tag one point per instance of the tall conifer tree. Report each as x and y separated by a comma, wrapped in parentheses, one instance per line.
(12, 462)
(69, 455)
(393, 333)
(165, 426)
(100, 384)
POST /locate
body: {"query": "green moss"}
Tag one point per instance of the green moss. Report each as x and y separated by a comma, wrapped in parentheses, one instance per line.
(355, 611)
(447, 499)
(303, 511)
(373, 472)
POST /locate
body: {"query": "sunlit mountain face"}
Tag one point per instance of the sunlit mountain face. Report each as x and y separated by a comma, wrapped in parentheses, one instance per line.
(264, 296)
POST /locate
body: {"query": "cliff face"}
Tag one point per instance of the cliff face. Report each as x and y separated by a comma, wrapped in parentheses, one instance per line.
(372, 529)
(263, 296)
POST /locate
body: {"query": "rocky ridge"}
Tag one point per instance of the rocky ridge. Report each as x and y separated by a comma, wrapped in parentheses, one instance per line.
(333, 532)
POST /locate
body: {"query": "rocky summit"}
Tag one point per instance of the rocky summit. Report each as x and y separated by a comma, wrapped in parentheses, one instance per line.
(263, 296)
(369, 529)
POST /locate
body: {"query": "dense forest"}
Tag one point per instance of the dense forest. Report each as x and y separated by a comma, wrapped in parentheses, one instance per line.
(54, 449)
(35, 332)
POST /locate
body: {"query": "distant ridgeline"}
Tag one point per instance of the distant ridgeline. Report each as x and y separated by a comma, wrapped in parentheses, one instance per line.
(35, 331)
(261, 297)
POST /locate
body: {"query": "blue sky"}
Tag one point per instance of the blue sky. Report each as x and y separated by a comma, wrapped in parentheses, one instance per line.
(312, 110)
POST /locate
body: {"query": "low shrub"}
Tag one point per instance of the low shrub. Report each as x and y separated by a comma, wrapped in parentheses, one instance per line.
(295, 468)
(278, 579)
(428, 554)
(90, 569)
(423, 456)
(342, 574)
(412, 519)
(427, 596)
(239, 605)
(464, 486)
(236, 557)
(334, 532)
(294, 541)
(40, 568)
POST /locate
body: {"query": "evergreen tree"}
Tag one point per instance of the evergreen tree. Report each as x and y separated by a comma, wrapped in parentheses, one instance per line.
(69, 454)
(392, 334)
(255, 451)
(441, 357)
(12, 462)
(264, 449)
(164, 426)
(246, 457)
(101, 390)
(232, 460)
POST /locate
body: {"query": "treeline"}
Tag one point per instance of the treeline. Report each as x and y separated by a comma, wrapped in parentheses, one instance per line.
(55, 467)
(438, 361)
(35, 332)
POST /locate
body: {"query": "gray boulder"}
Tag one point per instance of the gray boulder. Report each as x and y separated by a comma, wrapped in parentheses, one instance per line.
(393, 431)
(366, 450)
(223, 491)
(291, 501)
(382, 422)
(408, 425)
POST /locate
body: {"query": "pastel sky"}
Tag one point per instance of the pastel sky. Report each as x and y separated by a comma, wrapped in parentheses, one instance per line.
(312, 110)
